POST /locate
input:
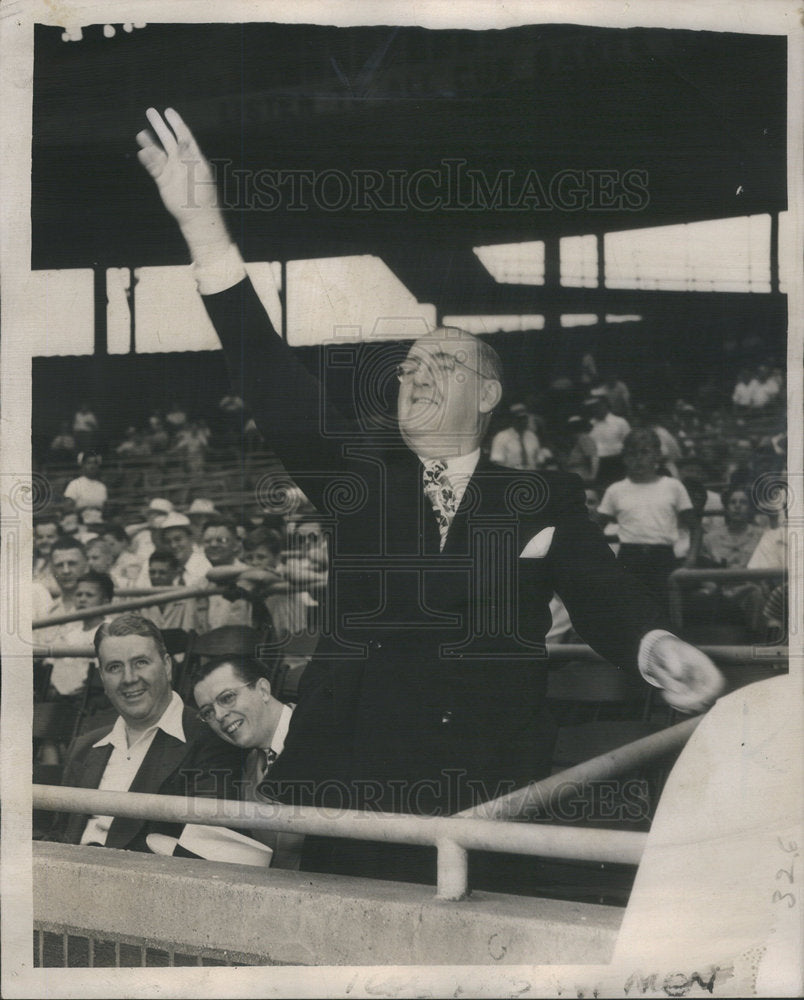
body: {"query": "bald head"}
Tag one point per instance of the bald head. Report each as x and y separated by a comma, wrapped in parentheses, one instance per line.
(450, 384)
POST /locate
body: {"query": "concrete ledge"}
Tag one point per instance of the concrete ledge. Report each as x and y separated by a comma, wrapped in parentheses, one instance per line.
(296, 918)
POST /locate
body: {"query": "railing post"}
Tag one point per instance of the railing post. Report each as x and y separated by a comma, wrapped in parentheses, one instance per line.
(675, 602)
(452, 871)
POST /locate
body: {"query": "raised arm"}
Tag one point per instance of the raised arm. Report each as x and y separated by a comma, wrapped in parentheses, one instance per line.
(186, 185)
(284, 397)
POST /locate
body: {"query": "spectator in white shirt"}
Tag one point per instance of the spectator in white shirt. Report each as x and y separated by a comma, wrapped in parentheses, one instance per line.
(222, 547)
(127, 566)
(648, 509)
(742, 395)
(45, 533)
(87, 490)
(609, 432)
(177, 536)
(517, 446)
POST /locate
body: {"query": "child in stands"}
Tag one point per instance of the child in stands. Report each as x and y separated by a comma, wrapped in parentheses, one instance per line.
(648, 509)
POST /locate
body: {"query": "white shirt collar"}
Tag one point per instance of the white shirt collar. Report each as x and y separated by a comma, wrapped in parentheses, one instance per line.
(459, 465)
(281, 731)
(170, 723)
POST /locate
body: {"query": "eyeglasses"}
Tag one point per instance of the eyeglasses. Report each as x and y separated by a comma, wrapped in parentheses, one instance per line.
(225, 700)
(446, 363)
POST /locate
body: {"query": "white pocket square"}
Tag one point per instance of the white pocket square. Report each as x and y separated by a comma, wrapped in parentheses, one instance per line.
(539, 545)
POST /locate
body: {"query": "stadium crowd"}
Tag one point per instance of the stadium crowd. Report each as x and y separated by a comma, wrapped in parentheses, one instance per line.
(222, 594)
(158, 510)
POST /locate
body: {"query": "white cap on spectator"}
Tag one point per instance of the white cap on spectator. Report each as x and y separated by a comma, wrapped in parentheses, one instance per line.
(176, 520)
(161, 506)
(201, 506)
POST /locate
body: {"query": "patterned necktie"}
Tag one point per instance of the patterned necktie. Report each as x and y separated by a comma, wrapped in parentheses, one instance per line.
(264, 760)
(439, 492)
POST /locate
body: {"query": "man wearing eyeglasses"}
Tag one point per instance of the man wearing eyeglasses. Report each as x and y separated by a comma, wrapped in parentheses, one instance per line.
(428, 690)
(156, 744)
(235, 700)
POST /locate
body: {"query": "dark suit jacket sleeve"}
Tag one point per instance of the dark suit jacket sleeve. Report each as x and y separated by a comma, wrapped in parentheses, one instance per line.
(211, 769)
(64, 825)
(283, 396)
(611, 611)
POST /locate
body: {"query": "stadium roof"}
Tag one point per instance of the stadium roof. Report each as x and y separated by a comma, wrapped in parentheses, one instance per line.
(529, 133)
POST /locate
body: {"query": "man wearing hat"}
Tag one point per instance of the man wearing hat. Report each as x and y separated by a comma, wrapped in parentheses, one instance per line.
(144, 535)
(200, 511)
(235, 700)
(177, 536)
(157, 744)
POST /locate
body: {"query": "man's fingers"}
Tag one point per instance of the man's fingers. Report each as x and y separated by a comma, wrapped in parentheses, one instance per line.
(146, 138)
(166, 137)
(153, 159)
(176, 122)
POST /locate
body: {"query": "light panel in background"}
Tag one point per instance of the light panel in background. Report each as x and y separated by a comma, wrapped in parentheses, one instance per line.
(578, 319)
(578, 255)
(514, 263)
(495, 324)
(60, 313)
(167, 307)
(721, 255)
(350, 300)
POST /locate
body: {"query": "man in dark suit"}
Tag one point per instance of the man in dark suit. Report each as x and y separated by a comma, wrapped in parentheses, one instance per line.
(156, 744)
(427, 694)
(235, 700)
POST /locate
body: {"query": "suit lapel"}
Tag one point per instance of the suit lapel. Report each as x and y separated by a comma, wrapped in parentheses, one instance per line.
(483, 495)
(164, 756)
(90, 776)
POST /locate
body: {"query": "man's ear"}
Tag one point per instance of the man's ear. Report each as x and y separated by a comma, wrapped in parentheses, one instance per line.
(490, 394)
(264, 687)
(169, 665)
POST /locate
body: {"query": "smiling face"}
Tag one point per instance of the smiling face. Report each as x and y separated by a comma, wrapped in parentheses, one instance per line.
(136, 678)
(220, 545)
(250, 720)
(45, 534)
(444, 402)
(180, 543)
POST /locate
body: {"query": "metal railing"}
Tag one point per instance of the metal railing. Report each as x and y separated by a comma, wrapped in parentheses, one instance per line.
(452, 837)
(733, 655)
(491, 826)
(682, 579)
(157, 597)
